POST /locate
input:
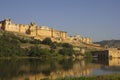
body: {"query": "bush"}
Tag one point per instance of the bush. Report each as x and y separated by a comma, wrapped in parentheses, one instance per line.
(34, 51)
(66, 51)
(67, 45)
(9, 46)
(24, 40)
(47, 41)
(53, 45)
(35, 41)
(37, 52)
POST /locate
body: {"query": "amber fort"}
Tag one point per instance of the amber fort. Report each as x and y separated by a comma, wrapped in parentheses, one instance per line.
(41, 32)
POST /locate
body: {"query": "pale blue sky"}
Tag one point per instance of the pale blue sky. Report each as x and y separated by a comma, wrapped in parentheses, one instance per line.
(98, 19)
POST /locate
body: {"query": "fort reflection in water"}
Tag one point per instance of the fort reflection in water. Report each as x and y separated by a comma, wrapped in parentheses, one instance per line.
(35, 69)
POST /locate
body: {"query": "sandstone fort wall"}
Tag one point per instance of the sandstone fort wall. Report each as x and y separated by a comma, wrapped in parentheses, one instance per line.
(41, 32)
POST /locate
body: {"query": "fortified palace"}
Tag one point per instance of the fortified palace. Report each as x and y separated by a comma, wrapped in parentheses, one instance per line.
(41, 32)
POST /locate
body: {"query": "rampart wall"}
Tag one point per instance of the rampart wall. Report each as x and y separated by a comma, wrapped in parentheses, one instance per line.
(41, 32)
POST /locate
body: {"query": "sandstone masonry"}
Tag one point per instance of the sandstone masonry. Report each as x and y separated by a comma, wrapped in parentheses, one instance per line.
(41, 32)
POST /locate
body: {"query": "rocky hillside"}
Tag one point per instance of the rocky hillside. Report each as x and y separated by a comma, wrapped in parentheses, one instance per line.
(109, 43)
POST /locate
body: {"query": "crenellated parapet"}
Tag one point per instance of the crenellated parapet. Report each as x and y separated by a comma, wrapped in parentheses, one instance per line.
(32, 30)
(78, 38)
(41, 32)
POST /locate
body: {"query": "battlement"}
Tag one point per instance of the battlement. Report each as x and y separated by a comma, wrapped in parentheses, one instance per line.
(41, 32)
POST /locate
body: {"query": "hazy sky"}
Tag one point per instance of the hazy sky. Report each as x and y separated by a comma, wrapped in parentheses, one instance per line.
(98, 19)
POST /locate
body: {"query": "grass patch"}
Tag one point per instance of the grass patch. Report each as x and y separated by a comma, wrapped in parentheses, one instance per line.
(102, 77)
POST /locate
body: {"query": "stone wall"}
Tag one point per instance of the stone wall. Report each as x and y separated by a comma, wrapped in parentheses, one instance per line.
(114, 52)
(32, 29)
(41, 32)
(78, 38)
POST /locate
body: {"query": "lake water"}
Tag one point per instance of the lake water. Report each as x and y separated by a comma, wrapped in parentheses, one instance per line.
(36, 69)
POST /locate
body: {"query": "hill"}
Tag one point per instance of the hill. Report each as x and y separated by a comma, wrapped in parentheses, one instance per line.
(109, 43)
(16, 45)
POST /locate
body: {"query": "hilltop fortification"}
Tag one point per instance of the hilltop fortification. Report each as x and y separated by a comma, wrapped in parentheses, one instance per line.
(41, 32)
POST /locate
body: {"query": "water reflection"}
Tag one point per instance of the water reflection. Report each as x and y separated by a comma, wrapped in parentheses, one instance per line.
(114, 62)
(113, 65)
(36, 69)
(108, 66)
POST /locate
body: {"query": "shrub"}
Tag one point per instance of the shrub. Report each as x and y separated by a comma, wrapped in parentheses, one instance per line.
(67, 45)
(35, 41)
(24, 40)
(37, 52)
(47, 41)
(34, 51)
(53, 45)
(66, 51)
(9, 46)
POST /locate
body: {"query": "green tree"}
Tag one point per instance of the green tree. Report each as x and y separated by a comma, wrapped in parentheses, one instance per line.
(36, 51)
(67, 45)
(47, 41)
(53, 45)
(10, 46)
(66, 51)
(35, 41)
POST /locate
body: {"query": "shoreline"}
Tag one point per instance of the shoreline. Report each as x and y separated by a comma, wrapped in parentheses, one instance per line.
(98, 77)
